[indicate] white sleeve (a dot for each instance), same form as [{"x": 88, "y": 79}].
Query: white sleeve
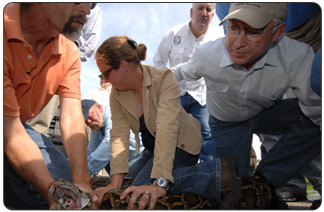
[{"x": 161, "y": 57}]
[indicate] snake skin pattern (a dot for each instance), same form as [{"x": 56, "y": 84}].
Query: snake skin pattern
[{"x": 255, "y": 195}]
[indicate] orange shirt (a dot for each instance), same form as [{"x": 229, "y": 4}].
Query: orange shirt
[{"x": 30, "y": 82}]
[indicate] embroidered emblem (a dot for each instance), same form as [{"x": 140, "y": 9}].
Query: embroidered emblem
[{"x": 177, "y": 40}]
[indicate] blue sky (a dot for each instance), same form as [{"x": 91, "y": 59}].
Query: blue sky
[{"x": 144, "y": 22}]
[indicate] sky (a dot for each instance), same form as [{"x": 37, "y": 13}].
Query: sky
[{"x": 143, "y": 22}]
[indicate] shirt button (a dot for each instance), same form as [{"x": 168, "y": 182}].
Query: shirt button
[
  {"x": 28, "y": 70},
  {"x": 25, "y": 45},
  {"x": 30, "y": 57},
  {"x": 183, "y": 146}
]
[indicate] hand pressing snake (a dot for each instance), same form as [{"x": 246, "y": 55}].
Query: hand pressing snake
[{"x": 148, "y": 194}]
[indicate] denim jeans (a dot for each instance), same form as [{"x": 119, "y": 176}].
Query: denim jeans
[
  {"x": 142, "y": 165},
  {"x": 200, "y": 112},
  {"x": 313, "y": 172},
  {"x": 18, "y": 193},
  {"x": 299, "y": 144},
  {"x": 298, "y": 184},
  {"x": 203, "y": 178}
]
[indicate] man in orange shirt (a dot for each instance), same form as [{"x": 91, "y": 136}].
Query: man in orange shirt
[{"x": 41, "y": 60}]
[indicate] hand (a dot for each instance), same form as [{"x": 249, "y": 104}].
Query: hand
[
  {"x": 148, "y": 193},
  {"x": 94, "y": 195},
  {"x": 102, "y": 190}
]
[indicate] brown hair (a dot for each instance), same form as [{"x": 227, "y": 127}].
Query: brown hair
[{"x": 120, "y": 48}]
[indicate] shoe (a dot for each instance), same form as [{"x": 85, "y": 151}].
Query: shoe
[
  {"x": 316, "y": 204},
  {"x": 231, "y": 187},
  {"x": 275, "y": 200},
  {"x": 290, "y": 196}
]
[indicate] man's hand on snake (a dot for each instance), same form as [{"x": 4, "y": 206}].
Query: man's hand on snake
[{"x": 146, "y": 194}]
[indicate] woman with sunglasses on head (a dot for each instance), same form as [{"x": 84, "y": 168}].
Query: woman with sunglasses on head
[{"x": 147, "y": 100}]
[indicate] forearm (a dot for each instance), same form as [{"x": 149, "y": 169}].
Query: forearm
[
  {"x": 117, "y": 180},
  {"x": 74, "y": 140},
  {"x": 25, "y": 157}
]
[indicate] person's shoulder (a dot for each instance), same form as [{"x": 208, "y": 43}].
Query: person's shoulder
[
  {"x": 155, "y": 72},
  {"x": 213, "y": 45},
  {"x": 67, "y": 44},
  {"x": 178, "y": 28},
  {"x": 290, "y": 45}
]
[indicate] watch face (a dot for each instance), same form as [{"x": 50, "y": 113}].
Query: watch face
[{"x": 161, "y": 182}]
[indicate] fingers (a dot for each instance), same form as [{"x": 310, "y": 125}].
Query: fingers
[
  {"x": 127, "y": 191},
  {"x": 144, "y": 200},
  {"x": 100, "y": 193},
  {"x": 95, "y": 201},
  {"x": 136, "y": 194},
  {"x": 143, "y": 195}
]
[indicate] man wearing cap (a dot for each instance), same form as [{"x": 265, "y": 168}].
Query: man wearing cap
[
  {"x": 98, "y": 118},
  {"x": 247, "y": 73},
  {"x": 40, "y": 60}
]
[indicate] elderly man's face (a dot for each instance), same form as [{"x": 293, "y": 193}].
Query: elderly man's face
[
  {"x": 243, "y": 51},
  {"x": 201, "y": 16},
  {"x": 95, "y": 114},
  {"x": 69, "y": 18}
]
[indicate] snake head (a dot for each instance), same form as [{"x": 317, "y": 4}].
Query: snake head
[{"x": 68, "y": 196}]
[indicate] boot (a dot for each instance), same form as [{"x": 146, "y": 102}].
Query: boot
[
  {"x": 231, "y": 188},
  {"x": 275, "y": 201}
]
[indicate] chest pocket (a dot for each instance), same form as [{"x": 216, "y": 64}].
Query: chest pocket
[
  {"x": 177, "y": 54},
  {"x": 272, "y": 94},
  {"x": 219, "y": 88}
]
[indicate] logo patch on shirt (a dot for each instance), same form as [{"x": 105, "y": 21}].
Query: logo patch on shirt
[{"x": 177, "y": 40}]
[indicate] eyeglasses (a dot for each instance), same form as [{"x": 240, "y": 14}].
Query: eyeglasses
[
  {"x": 92, "y": 5},
  {"x": 251, "y": 34},
  {"x": 106, "y": 74}
]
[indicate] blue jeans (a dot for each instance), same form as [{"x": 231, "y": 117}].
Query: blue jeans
[
  {"x": 18, "y": 193},
  {"x": 200, "y": 112},
  {"x": 313, "y": 172},
  {"x": 141, "y": 167},
  {"x": 299, "y": 144},
  {"x": 203, "y": 178},
  {"x": 298, "y": 184}
]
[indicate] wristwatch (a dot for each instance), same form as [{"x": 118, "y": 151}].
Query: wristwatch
[{"x": 162, "y": 182}]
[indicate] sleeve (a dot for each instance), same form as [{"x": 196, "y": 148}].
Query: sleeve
[
  {"x": 309, "y": 102},
  {"x": 98, "y": 153},
  {"x": 188, "y": 70},
  {"x": 10, "y": 105},
  {"x": 90, "y": 34},
  {"x": 119, "y": 137},
  {"x": 161, "y": 57},
  {"x": 70, "y": 85},
  {"x": 167, "y": 127}
]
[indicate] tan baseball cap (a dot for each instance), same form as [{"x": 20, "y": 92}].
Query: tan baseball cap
[{"x": 256, "y": 15}]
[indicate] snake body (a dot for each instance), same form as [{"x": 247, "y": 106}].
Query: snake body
[{"x": 255, "y": 195}]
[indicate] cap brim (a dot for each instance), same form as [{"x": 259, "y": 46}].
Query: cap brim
[{"x": 250, "y": 17}]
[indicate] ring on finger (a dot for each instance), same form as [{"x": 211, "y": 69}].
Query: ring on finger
[{"x": 147, "y": 192}]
